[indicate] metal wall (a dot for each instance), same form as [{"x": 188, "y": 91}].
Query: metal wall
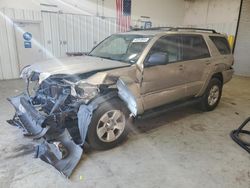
[
  {"x": 61, "y": 33},
  {"x": 242, "y": 48}
]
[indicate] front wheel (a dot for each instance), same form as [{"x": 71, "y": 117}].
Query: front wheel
[
  {"x": 212, "y": 96},
  {"x": 109, "y": 125}
]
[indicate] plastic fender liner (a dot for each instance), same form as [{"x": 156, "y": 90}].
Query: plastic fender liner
[
  {"x": 63, "y": 154},
  {"x": 235, "y": 135},
  {"x": 85, "y": 113},
  {"x": 27, "y": 116}
]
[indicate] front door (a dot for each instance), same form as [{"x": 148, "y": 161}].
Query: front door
[
  {"x": 28, "y": 39},
  {"x": 163, "y": 82}
]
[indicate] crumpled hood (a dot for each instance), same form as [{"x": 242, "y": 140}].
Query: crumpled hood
[{"x": 75, "y": 65}]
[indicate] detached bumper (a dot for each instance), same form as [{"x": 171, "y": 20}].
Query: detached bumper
[
  {"x": 57, "y": 148},
  {"x": 27, "y": 117}
]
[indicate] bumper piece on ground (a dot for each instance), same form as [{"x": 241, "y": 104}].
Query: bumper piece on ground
[
  {"x": 58, "y": 147},
  {"x": 27, "y": 117},
  {"x": 63, "y": 154}
]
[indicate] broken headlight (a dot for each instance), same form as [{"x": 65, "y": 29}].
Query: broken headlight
[
  {"x": 85, "y": 91},
  {"x": 26, "y": 72}
]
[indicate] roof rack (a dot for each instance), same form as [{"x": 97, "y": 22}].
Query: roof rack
[
  {"x": 192, "y": 28},
  {"x": 150, "y": 29},
  {"x": 174, "y": 29}
]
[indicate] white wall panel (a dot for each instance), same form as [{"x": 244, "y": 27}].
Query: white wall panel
[
  {"x": 61, "y": 33},
  {"x": 77, "y": 30},
  {"x": 70, "y": 33},
  {"x": 242, "y": 48},
  {"x": 5, "y": 59},
  {"x": 47, "y": 34},
  {"x": 55, "y": 37}
]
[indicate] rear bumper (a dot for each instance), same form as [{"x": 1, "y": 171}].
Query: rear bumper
[
  {"x": 227, "y": 75},
  {"x": 57, "y": 148}
]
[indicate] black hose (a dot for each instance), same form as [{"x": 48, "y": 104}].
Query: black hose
[{"x": 235, "y": 135}]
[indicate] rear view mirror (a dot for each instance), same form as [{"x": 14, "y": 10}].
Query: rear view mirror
[{"x": 158, "y": 58}]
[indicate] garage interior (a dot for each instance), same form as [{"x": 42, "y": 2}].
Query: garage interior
[{"x": 182, "y": 148}]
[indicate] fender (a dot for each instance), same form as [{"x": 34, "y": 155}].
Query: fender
[
  {"x": 217, "y": 68},
  {"x": 129, "y": 92}
]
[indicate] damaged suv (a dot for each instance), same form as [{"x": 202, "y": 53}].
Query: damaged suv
[{"x": 93, "y": 97}]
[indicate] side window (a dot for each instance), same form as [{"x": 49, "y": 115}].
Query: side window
[
  {"x": 194, "y": 47},
  {"x": 222, "y": 44},
  {"x": 168, "y": 46}
]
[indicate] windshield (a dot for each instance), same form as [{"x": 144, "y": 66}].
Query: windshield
[{"x": 125, "y": 48}]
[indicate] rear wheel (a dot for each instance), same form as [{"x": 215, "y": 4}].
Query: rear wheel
[
  {"x": 212, "y": 96},
  {"x": 109, "y": 126}
]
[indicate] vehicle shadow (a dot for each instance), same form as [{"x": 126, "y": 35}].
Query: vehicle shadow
[
  {"x": 148, "y": 124},
  {"x": 140, "y": 126}
]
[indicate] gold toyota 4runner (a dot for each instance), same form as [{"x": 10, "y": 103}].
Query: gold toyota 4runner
[{"x": 93, "y": 97}]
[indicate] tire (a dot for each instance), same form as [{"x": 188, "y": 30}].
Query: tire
[
  {"x": 212, "y": 95},
  {"x": 105, "y": 121}
]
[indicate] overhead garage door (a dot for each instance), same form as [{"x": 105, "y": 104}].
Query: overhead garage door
[{"x": 242, "y": 48}]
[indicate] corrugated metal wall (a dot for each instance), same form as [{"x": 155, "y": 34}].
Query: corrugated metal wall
[
  {"x": 242, "y": 48},
  {"x": 61, "y": 33}
]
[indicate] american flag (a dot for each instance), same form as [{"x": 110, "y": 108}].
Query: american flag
[{"x": 123, "y": 15}]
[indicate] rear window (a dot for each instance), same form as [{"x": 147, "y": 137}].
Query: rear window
[
  {"x": 194, "y": 47},
  {"x": 222, "y": 44}
]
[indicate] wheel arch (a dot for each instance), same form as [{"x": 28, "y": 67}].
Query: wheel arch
[{"x": 217, "y": 75}]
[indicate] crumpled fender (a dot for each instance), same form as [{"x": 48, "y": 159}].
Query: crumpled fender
[
  {"x": 129, "y": 92},
  {"x": 86, "y": 111}
]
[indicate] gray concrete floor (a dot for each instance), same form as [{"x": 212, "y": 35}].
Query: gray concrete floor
[{"x": 184, "y": 148}]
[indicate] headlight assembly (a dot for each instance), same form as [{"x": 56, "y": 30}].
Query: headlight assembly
[
  {"x": 26, "y": 72},
  {"x": 86, "y": 91}
]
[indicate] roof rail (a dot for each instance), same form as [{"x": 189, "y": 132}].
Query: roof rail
[
  {"x": 192, "y": 28},
  {"x": 174, "y": 29},
  {"x": 151, "y": 29}
]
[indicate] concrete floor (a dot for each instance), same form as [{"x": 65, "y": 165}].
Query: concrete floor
[{"x": 184, "y": 148}]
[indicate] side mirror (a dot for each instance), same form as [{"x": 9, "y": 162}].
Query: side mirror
[{"x": 158, "y": 58}]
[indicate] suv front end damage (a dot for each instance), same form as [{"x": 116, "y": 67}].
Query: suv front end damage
[{"x": 57, "y": 115}]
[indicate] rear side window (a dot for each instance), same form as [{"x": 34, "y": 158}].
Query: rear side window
[
  {"x": 194, "y": 47},
  {"x": 222, "y": 44}
]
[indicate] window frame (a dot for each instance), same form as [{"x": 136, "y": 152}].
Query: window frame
[
  {"x": 227, "y": 43},
  {"x": 163, "y": 37},
  {"x": 205, "y": 42},
  {"x": 180, "y": 47}
]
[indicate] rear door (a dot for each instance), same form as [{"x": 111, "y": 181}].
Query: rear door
[{"x": 196, "y": 59}]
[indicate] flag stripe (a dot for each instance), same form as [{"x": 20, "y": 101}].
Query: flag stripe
[{"x": 123, "y": 14}]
